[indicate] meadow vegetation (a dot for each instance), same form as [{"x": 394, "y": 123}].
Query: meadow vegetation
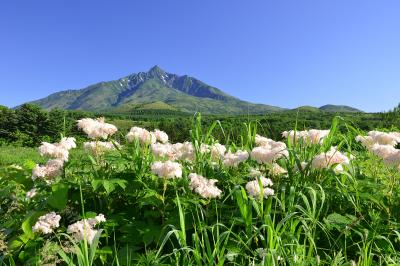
[{"x": 226, "y": 191}]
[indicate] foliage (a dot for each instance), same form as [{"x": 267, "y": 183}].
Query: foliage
[{"x": 317, "y": 217}]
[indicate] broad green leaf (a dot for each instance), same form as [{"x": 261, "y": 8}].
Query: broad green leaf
[{"x": 59, "y": 196}]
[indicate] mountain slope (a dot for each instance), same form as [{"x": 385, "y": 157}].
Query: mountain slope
[
  {"x": 339, "y": 108},
  {"x": 183, "y": 93}
]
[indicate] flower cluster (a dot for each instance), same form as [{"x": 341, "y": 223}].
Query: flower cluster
[
  {"x": 203, "y": 186},
  {"x": 312, "y": 136},
  {"x": 167, "y": 169},
  {"x": 84, "y": 229},
  {"x": 254, "y": 187},
  {"x": 142, "y": 135},
  {"x": 382, "y": 145},
  {"x": 47, "y": 223},
  {"x": 97, "y": 128},
  {"x": 381, "y": 138},
  {"x": 177, "y": 151},
  {"x": 389, "y": 154},
  {"x": 233, "y": 159},
  {"x": 217, "y": 151},
  {"x": 186, "y": 151},
  {"x": 58, "y": 150},
  {"x": 276, "y": 169},
  {"x": 268, "y": 150},
  {"x": 51, "y": 169},
  {"x": 330, "y": 158},
  {"x": 161, "y": 136},
  {"x": 98, "y": 147}
]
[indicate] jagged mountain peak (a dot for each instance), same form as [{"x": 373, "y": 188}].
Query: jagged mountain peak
[
  {"x": 156, "y": 70},
  {"x": 182, "y": 92}
]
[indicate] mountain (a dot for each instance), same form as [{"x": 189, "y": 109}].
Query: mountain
[
  {"x": 154, "y": 89},
  {"x": 328, "y": 108},
  {"x": 339, "y": 108},
  {"x": 307, "y": 108}
]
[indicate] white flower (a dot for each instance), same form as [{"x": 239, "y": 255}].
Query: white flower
[
  {"x": 96, "y": 128},
  {"x": 263, "y": 141},
  {"x": 276, "y": 169},
  {"x": 142, "y": 135},
  {"x": 312, "y": 136},
  {"x": 53, "y": 150},
  {"x": 184, "y": 151},
  {"x": 57, "y": 150},
  {"x": 381, "y": 138},
  {"x": 84, "y": 229},
  {"x": 31, "y": 193},
  {"x": 203, "y": 186},
  {"x": 47, "y": 223},
  {"x": 366, "y": 141},
  {"x": 161, "y": 150},
  {"x": 161, "y": 136},
  {"x": 332, "y": 157},
  {"x": 51, "y": 169},
  {"x": 253, "y": 188},
  {"x": 217, "y": 151},
  {"x": 167, "y": 169},
  {"x": 269, "y": 152},
  {"x": 233, "y": 159},
  {"x": 98, "y": 147},
  {"x": 68, "y": 143}
]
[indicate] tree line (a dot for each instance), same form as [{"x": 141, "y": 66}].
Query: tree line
[{"x": 29, "y": 124}]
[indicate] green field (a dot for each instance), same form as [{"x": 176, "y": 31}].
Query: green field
[{"x": 343, "y": 212}]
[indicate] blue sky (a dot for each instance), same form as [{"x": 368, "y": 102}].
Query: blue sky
[{"x": 284, "y": 53}]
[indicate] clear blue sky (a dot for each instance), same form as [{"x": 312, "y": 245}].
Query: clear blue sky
[{"x": 285, "y": 53}]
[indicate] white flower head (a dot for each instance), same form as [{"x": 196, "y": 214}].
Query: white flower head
[
  {"x": 167, "y": 169},
  {"x": 217, "y": 151},
  {"x": 312, "y": 136},
  {"x": 330, "y": 158},
  {"x": 161, "y": 136},
  {"x": 253, "y": 188},
  {"x": 51, "y": 169},
  {"x": 233, "y": 159},
  {"x": 99, "y": 147},
  {"x": 84, "y": 229},
  {"x": 276, "y": 169},
  {"x": 206, "y": 188},
  {"x": 269, "y": 153},
  {"x": 142, "y": 135},
  {"x": 96, "y": 128},
  {"x": 47, "y": 223}
]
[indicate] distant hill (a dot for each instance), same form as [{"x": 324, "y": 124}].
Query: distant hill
[
  {"x": 307, "y": 108},
  {"x": 339, "y": 108},
  {"x": 328, "y": 108},
  {"x": 154, "y": 89}
]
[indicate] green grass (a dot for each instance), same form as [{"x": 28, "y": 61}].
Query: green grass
[
  {"x": 316, "y": 217},
  {"x": 19, "y": 155}
]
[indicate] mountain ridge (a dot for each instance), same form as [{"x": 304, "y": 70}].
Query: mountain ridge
[
  {"x": 171, "y": 91},
  {"x": 185, "y": 93}
]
